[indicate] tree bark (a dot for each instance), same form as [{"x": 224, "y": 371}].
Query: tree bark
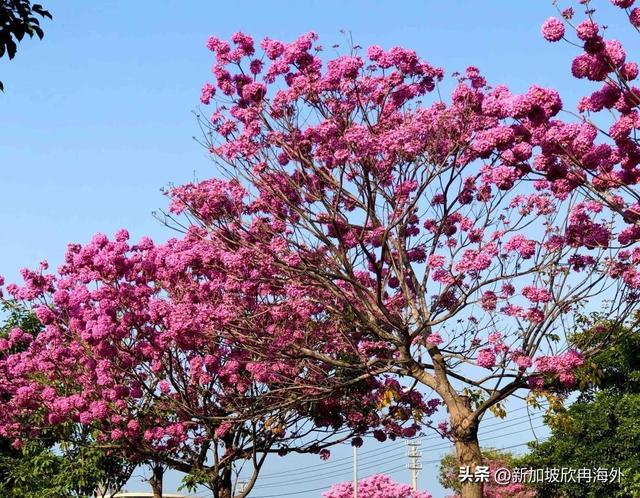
[
  {"x": 157, "y": 474},
  {"x": 465, "y": 432},
  {"x": 469, "y": 455},
  {"x": 222, "y": 487},
  {"x": 464, "y": 422}
]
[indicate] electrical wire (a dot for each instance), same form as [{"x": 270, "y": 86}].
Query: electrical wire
[
  {"x": 375, "y": 454},
  {"x": 293, "y": 493},
  {"x": 338, "y": 461},
  {"x": 393, "y": 469},
  {"x": 383, "y": 461}
]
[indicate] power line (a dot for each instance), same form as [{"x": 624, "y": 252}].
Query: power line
[
  {"x": 447, "y": 445},
  {"x": 324, "y": 487},
  {"x": 382, "y": 472},
  {"x": 382, "y": 461},
  {"x": 338, "y": 462},
  {"x": 376, "y": 464}
]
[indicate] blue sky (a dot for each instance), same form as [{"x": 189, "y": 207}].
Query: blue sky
[{"x": 97, "y": 117}]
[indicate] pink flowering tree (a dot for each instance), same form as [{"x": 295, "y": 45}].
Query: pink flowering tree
[
  {"x": 460, "y": 237},
  {"x": 366, "y": 230},
  {"x": 144, "y": 346},
  {"x": 376, "y": 486}
]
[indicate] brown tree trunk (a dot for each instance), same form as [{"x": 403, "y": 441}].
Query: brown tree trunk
[
  {"x": 157, "y": 474},
  {"x": 465, "y": 432},
  {"x": 227, "y": 484},
  {"x": 222, "y": 487},
  {"x": 464, "y": 422},
  {"x": 469, "y": 455}
]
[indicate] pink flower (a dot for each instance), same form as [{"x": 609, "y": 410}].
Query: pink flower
[
  {"x": 223, "y": 428},
  {"x": 524, "y": 247},
  {"x": 535, "y": 382},
  {"x": 587, "y": 29},
  {"x": 486, "y": 358},
  {"x": 488, "y": 301},
  {"x": 377, "y": 486},
  {"x": 615, "y": 52},
  {"x": 475, "y": 261},
  {"x": 434, "y": 339},
  {"x": 117, "y": 434},
  {"x": 272, "y": 48},
  {"x": 442, "y": 276},
  {"x": 553, "y": 29},
  {"x": 133, "y": 426},
  {"x": 536, "y": 294},
  {"x": 523, "y": 361},
  {"x": 443, "y": 427},
  {"x": 494, "y": 337},
  {"x": 512, "y": 310},
  {"x": 623, "y": 4},
  {"x": 561, "y": 365},
  {"x": 507, "y": 290},
  {"x": 164, "y": 386},
  {"x": 207, "y": 93},
  {"x": 436, "y": 261}
]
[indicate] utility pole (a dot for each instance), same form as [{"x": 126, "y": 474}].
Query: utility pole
[
  {"x": 355, "y": 472},
  {"x": 414, "y": 465}
]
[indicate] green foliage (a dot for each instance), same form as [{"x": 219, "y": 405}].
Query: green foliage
[
  {"x": 65, "y": 471},
  {"x": 18, "y": 18},
  {"x": 601, "y": 428},
  {"x": 18, "y": 317},
  {"x": 66, "y": 463}
]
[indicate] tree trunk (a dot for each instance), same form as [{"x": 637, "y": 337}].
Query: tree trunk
[
  {"x": 469, "y": 455},
  {"x": 464, "y": 422},
  {"x": 156, "y": 480},
  {"x": 222, "y": 487},
  {"x": 465, "y": 432}
]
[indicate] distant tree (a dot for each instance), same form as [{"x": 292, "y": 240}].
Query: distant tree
[
  {"x": 18, "y": 18},
  {"x": 377, "y": 486},
  {"x": 600, "y": 430}
]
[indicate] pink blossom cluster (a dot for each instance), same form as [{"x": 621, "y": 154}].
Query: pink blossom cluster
[
  {"x": 563, "y": 366},
  {"x": 376, "y": 486},
  {"x": 211, "y": 200}
]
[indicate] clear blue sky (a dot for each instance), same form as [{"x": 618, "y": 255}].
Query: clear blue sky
[{"x": 96, "y": 118}]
